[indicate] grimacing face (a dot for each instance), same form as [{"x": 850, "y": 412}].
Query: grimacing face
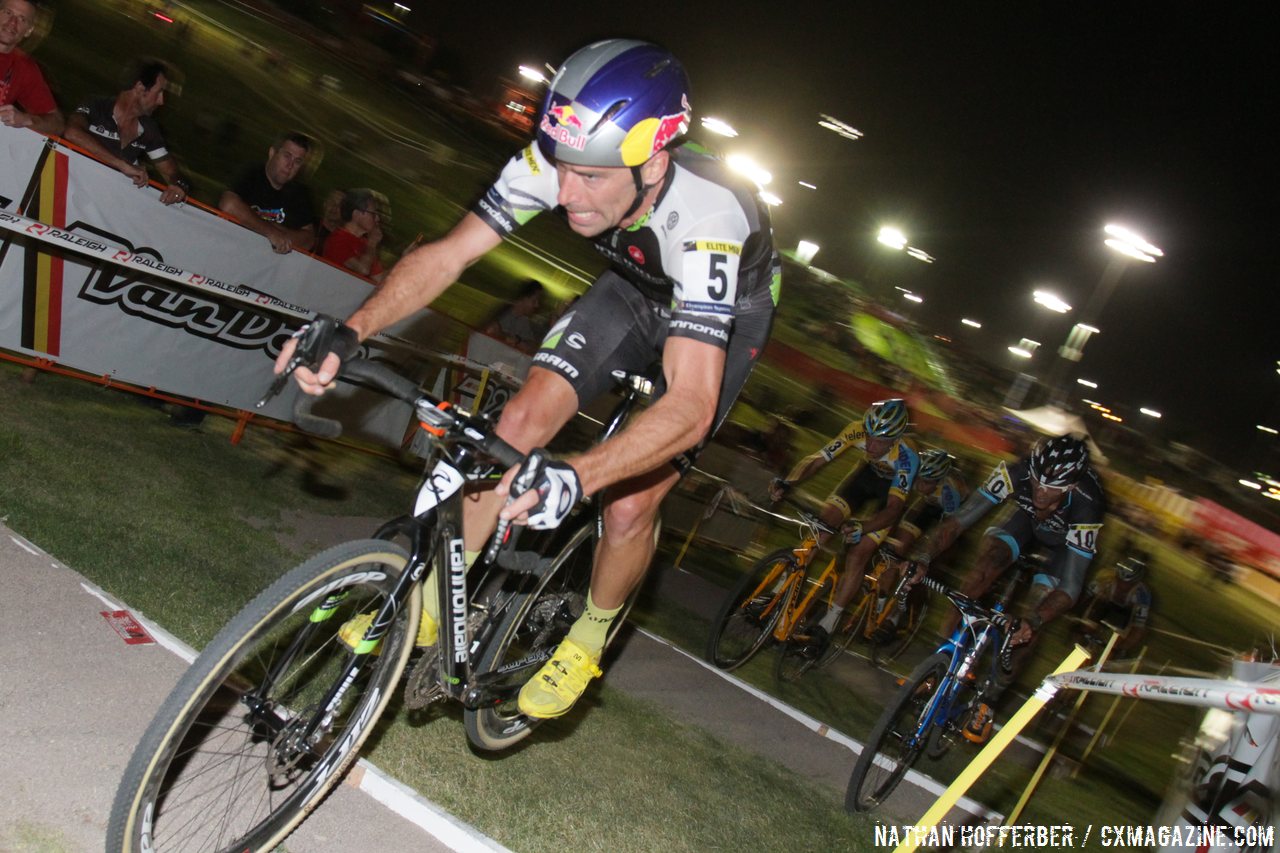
[{"x": 597, "y": 198}]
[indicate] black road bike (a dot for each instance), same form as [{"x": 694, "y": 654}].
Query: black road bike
[{"x": 274, "y": 711}]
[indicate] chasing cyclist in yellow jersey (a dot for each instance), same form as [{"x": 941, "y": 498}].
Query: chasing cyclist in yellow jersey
[{"x": 885, "y": 470}]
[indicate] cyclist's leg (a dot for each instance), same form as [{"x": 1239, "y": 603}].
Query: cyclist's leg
[{"x": 853, "y": 491}]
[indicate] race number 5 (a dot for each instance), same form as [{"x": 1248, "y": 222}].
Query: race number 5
[{"x": 718, "y": 274}]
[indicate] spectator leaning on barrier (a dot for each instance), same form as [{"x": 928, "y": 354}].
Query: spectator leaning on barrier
[
  {"x": 330, "y": 217},
  {"x": 25, "y": 99},
  {"x": 355, "y": 244},
  {"x": 120, "y": 130},
  {"x": 269, "y": 201}
]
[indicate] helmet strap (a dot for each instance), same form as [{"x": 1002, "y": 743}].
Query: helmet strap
[{"x": 641, "y": 189}]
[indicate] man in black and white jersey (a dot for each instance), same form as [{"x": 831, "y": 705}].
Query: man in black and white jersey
[{"x": 694, "y": 280}]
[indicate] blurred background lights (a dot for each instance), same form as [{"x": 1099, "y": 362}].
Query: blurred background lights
[{"x": 720, "y": 126}]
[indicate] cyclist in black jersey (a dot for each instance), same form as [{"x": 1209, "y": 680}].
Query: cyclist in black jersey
[
  {"x": 1060, "y": 506},
  {"x": 694, "y": 280}
]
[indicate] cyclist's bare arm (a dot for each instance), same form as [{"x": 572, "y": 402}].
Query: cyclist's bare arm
[
  {"x": 806, "y": 468},
  {"x": 413, "y": 283},
  {"x": 675, "y": 423}
]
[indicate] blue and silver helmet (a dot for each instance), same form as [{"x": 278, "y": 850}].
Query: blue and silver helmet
[
  {"x": 885, "y": 419},
  {"x": 935, "y": 464},
  {"x": 614, "y": 103}
]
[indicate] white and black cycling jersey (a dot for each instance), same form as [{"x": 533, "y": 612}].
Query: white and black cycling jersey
[{"x": 705, "y": 248}]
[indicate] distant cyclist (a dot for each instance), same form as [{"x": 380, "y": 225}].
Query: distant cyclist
[
  {"x": 1121, "y": 599},
  {"x": 939, "y": 492},
  {"x": 886, "y": 468},
  {"x": 1059, "y": 506}
]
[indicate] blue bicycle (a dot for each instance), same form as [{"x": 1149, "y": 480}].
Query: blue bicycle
[{"x": 936, "y": 702}]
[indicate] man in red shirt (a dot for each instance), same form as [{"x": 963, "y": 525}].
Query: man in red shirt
[{"x": 25, "y": 99}]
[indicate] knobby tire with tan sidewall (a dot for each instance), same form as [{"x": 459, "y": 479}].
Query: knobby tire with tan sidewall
[
  {"x": 274, "y": 774},
  {"x": 749, "y": 613}
]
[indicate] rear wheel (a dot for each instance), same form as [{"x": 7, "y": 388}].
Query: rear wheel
[
  {"x": 270, "y": 715},
  {"x": 750, "y": 612},
  {"x": 898, "y": 738}
]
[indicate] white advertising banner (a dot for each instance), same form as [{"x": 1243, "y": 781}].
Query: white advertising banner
[{"x": 137, "y": 294}]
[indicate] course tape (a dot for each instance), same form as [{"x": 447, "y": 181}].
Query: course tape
[{"x": 1257, "y": 698}]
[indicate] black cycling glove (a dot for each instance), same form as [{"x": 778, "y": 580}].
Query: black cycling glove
[
  {"x": 322, "y": 336},
  {"x": 557, "y": 486}
]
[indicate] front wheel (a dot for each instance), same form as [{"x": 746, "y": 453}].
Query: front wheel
[
  {"x": 897, "y": 739},
  {"x": 270, "y": 715},
  {"x": 749, "y": 612}
]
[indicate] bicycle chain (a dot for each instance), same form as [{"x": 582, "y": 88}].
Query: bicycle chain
[{"x": 422, "y": 686}]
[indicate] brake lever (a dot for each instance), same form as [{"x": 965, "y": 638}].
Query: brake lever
[{"x": 277, "y": 384}]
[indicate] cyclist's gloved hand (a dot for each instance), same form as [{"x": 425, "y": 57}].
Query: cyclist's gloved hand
[
  {"x": 1025, "y": 629},
  {"x": 322, "y": 336},
  {"x": 852, "y": 530},
  {"x": 307, "y": 350},
  {"x": 778, "y": 487},
  {"x": 556, "y": 484}
]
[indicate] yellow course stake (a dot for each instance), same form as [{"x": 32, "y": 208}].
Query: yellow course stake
[
  {"x": 989, "y": 753},
  {"x": 1057, "y": 741}
]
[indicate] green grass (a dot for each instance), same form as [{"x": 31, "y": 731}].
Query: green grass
[{"x": 185, "y": 528}]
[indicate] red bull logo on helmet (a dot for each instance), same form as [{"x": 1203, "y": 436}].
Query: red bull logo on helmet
[
  {"x": 651, "y": 135},
  {"x": 563, "y": 125}
]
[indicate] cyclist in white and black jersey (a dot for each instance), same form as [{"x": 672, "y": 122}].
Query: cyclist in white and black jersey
[{"x": 694, "y": 283}]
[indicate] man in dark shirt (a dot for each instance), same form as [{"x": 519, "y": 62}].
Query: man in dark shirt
[
  {"x": 268, "y": 200},
  {"x": 120, "y": 130}
]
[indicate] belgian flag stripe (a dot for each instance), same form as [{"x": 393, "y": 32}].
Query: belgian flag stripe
[{"x": 42, "y": 296}]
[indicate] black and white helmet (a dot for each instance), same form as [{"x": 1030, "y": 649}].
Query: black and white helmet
[{"x": 1059, "y": 461}]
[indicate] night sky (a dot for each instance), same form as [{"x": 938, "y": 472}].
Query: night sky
[{"x": 1001, "y": 138}]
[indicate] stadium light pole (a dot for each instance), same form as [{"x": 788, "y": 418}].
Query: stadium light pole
[{"x": 1128, "y": 247}]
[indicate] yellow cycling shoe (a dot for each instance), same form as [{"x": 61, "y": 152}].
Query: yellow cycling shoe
[
  {"x": 560, "y": 682},
  {"x": 353, "y": 630}
]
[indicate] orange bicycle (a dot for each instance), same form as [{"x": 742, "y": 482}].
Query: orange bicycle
[
  {"x": 775, "y": 598},
  {"x": 870, "y": 616}
]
